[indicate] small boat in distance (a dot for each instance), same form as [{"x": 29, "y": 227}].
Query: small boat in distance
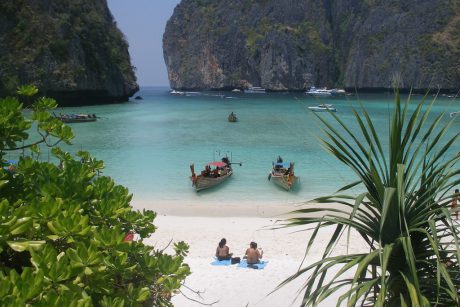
[
  {"x": 213, "y": 174},
  {"x": 338, "y": 91},
  {"x": 76, "y": 118},
  {"x": 232, "y": 118},
  {"x": 174, "y": 92},
  {"x": 323, "y": 108},
  {"x": 282, "y": 174},
  {"x": 313, "y": 91},
  {"x": 255, "y": 90}
]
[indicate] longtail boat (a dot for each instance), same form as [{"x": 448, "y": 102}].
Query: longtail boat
[
  {"x": 213, "y": 174},
  {"x": 282, "y": 174},
  {"x": 76, "y": 118},
  {"x": 232, "y": 118}
]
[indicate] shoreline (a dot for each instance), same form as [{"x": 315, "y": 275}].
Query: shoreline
[
  {"x": 218, "y": 208},
  {"x": 349, "y": 90}
]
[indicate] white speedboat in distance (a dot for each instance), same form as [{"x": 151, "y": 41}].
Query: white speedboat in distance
[
  {"x": 174, "y": 92},
  {"x": 337, "y": 91},
  {"x": 323, "y": 108},
  {"x": 318, "y": 92}
]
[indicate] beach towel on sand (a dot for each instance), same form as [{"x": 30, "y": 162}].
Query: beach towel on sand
[
  {"x": 257, "y": 266},
  {"x": 221, "y": 263}
]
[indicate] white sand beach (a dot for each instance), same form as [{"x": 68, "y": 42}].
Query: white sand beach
[{"x": 202, "y": 227}]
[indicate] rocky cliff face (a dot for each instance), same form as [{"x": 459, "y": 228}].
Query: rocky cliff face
[
  {"x": 71, "y": 49},
  {"x": 291, "y": 45}
]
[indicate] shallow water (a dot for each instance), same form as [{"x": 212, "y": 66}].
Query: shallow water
[{"x": 148, "y": 144}]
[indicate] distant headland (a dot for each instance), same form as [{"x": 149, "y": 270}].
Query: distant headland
[
  {"x": 71, "y": 51},
  {"x": 284, "y": 45}
]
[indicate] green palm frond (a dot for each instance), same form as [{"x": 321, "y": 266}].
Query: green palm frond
[{"x": 402, "y": 216}]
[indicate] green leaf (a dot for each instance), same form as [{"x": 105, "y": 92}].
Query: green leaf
[
  {"x": 21, "y": 246},
  {"x": 27, "y": 90},
  {"x": 22, "y": 225},
  {"x": 88, "y": 271},
  {"x": 3, "y": 183},
  {"x": 143, "y": 295}
]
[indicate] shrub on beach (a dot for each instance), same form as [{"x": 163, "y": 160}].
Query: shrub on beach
[
  {"x": 63, "y": 228},
  {"x": 402, "y": 215}
]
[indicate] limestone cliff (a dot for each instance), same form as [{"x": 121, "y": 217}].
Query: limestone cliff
[
  {"x": 71, "y": 49},
  {"x": 291, "y": 45}
]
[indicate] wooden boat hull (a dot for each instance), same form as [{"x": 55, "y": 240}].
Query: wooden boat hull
[
  {"x": 319, "y": 94},
  {"x": 202, "y": 183},
  {"x": 77, "y": 120},
  {"x": 284, "y": 181},
  {"x": 317, "y": 109},
  {"x": 232, "y": 118}
]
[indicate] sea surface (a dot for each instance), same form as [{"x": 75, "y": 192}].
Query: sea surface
[{"x": 148, "y": 145}]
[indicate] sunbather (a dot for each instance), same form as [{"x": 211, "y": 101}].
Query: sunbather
[
  {"x": 252, "y": 254},
  {"x": 223, "y": 251}
]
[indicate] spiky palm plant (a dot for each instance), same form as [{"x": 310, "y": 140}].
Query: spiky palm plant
[{"x": 403, "y": 215}]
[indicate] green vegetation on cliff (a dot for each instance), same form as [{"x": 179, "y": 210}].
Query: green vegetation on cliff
[
  {"x": 64, "y": 47},
  {"x": 291, "y": 45}
]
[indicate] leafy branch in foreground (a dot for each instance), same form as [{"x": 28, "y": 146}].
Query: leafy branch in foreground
[
  {"x": 403, "y": 215},
  {"x": 14, "y": 127},
  {"x": 63, "y": 228}
]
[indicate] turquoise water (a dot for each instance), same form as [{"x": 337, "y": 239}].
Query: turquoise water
[{"x": 148, "y": 144}]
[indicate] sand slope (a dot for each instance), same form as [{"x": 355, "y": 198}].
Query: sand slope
[{"x": 233, "y": 286}]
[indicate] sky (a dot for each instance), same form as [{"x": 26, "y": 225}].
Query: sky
[{"x": 143, "y": 23}]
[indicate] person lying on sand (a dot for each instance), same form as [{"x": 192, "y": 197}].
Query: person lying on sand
[
  {"x": 223, "y": 251},
  {"x": 253, "y": 255}
]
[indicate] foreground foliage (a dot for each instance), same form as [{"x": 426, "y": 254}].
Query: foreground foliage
[
  {"x": 403, "y": 215},
  {"x": 63, "y": 227}
]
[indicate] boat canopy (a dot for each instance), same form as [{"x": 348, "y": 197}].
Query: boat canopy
[
  {"x": 282, "y": 164},
  {"x": 218, "y": 164}
]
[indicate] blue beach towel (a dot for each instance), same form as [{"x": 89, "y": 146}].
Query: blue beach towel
[
  {"x": 221, "y": 263},
  {"x": 257, "y": 266}
]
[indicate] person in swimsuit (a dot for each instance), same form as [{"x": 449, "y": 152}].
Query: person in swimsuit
[
  {"x": 252, "y": 254},
  {"x": 222, "y": 251}
]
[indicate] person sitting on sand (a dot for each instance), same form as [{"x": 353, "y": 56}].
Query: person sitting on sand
[
  {"x": 253, "y": 255},
  {"x": 222, "y": 251}
]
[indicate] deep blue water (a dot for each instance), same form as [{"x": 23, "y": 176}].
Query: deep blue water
[{"x": 148, "y": 144}]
